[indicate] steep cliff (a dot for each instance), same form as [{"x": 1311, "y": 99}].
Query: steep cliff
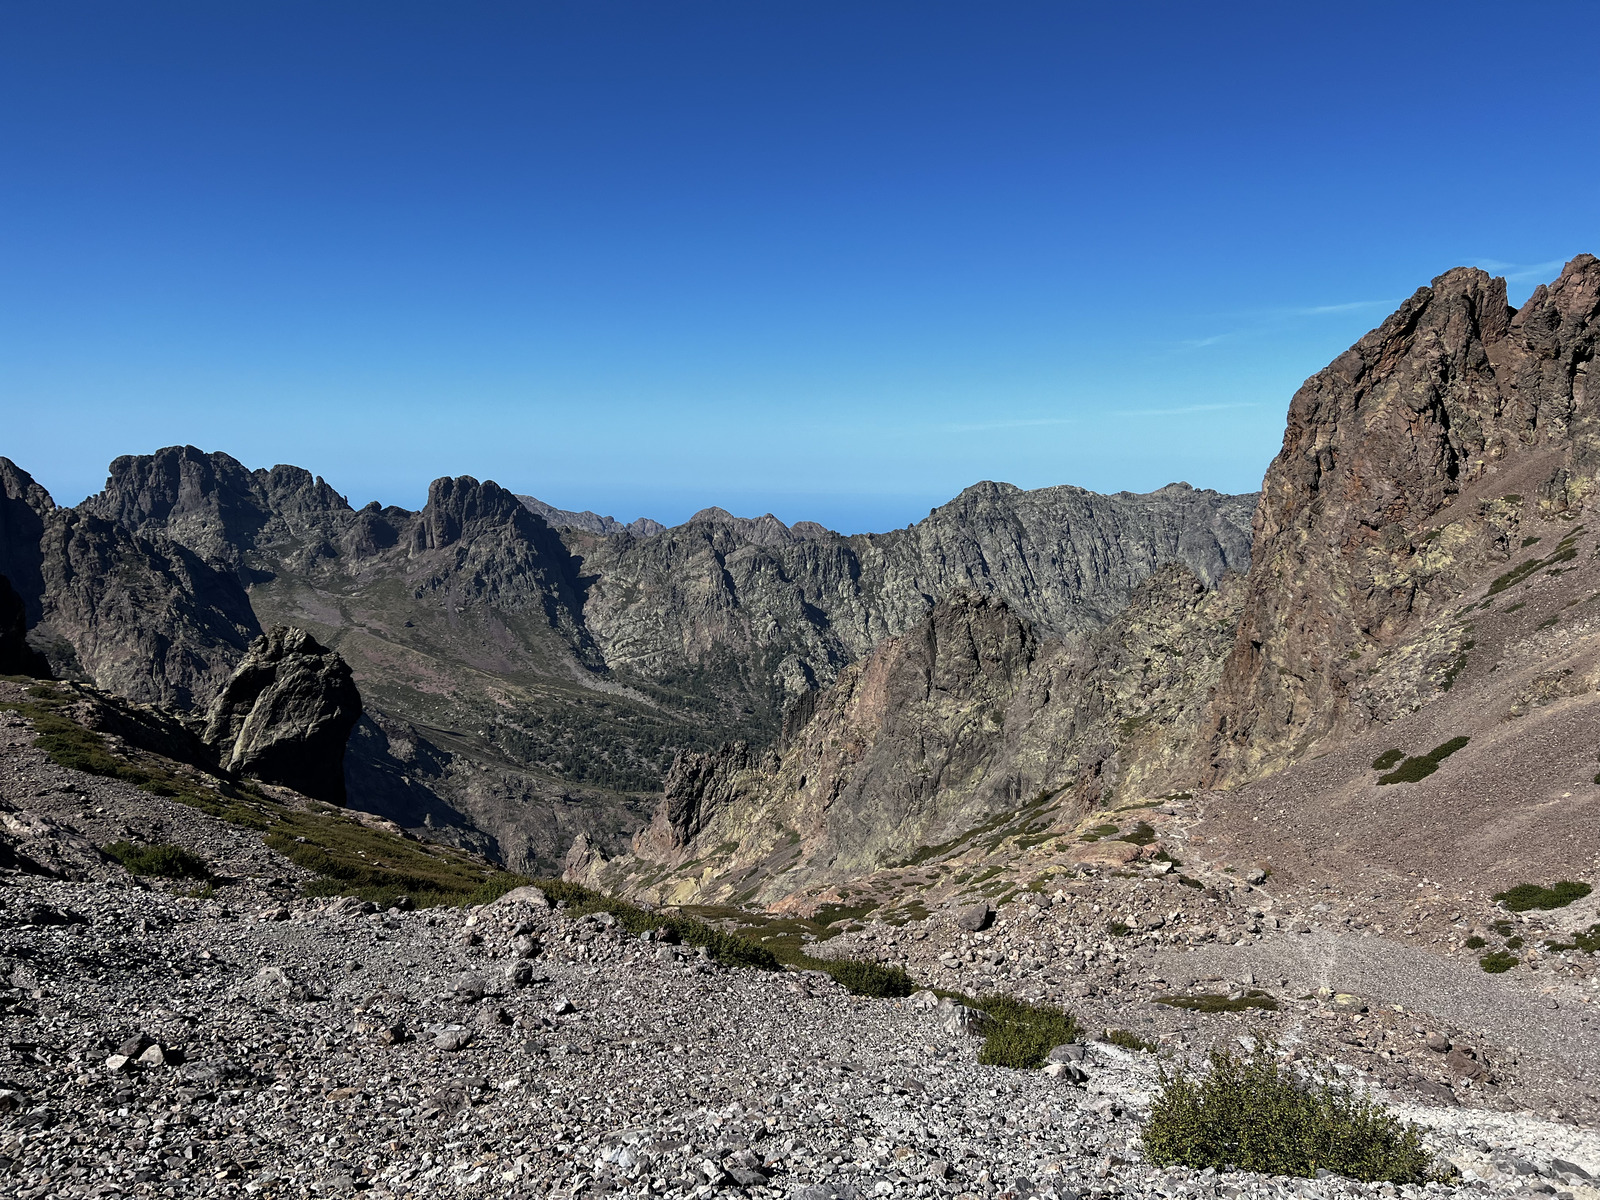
[
  {"x": 1408, "y": 465},
  {"x": 969, "y": 716}
]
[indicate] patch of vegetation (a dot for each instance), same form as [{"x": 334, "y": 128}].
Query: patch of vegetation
[
  {"x": 1456, "y": 667},
  {"x": 70, "y": 745},
  {"x": 1527, "y": 896},
  {"x": 1251, "y": 1114},
  {"x": 161, "y": 859},
  {"x": 1514, "y": 943},
  {"x": 728, "y": 949},
  {"x": 1565, "y": 551},
  {"x": 1098, "y": 832},
  {"x": 840, "y": 914},
  {"x": 1118, "y": 929},
  {"x": 1547, "y": 623},
  {"x": 867, "y": 978},
  {"x": 1387, "y": 759},
  {"x": 1497, "y": 962},
  {"x": 1021, "y": 1035},
  {"x": 1503, "y": 928},
  {"x": 1129, "y": 1041},
  {"x": 1589, "y": 940},
  {"x": 1141, "y": 834},
  {"x": 1530, "y": 540},
  {"x": 1415, "y": 769},
  {"x": 1188, "y": 882},
  {"x": 1474, "y": 943},
  {"x": 1520, "y": 604},
  {"x": 1214, "y": 1003}
]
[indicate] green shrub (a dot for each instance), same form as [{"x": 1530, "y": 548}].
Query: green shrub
[
  {"x": 868, "y": 978},
  {"x": 1514, "y": 943},
  {"x": 1021, "y": 1035},
  {"x": 1387, "y": 759},
  {"x": 162, "y": 859},
  {"x": 1475, "y": 943},
  {"x": 1098, "y": 832},
  {"x": 1118, "y": 929},
  {"x": 1141, "y": 835},
  {"x": 1589, "y": 940},
  {"x": 1212, "y": 1003},
  {"x": 1129, "y": 1041},
  {"x": 1498, "y": 962},
  {"x": 1252, "y": 1115},
  {"x": 1416, "y": 769},
  {"x": 1526, "y": 896}
]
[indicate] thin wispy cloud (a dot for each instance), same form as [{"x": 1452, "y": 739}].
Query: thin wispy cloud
[
  {"x": 1179, "y": 412},
  {"x": 1521, "y": 272},
  {"x": 1263, "y": 320},
  {"x": 1037, "y": 422},
  {"x": 1027, "y": 424}
]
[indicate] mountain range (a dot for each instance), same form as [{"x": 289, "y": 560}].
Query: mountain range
[{"x": 530, "y": 674}]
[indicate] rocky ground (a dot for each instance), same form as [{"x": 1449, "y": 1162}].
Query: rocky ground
[{"x": 242, "y": 1041}]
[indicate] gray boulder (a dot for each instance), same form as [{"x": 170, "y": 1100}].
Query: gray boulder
[
  {"x": 286, "y": 715},
  {"x": 975, "y": 917}
]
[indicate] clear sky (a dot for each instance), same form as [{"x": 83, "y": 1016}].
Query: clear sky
[{"x": 835, "y": 260}]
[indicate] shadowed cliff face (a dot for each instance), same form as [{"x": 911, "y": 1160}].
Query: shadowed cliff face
[{"x": 1405, "y": 468}]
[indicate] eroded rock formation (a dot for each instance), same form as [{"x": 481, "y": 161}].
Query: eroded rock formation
[
  {"x": 286, "y": 715},
  {"x": 1361, "y": 534}
]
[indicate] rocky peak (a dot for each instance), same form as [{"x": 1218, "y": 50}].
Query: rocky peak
[
  {"x": 286, "y": 715},
  {"x": 460, "y": 508},
  {"x": 1361, "y": 532},
  {"x": 210, "y": 502}
]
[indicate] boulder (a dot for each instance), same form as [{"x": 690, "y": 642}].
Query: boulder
[
  {"x": 975, "y": 917},
  {"x": 286, "y": 715}
]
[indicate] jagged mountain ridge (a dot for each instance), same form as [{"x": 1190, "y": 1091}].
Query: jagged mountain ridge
[
  {"x": 1415, "y": 470},
  {"x": 524, "y": 684}
]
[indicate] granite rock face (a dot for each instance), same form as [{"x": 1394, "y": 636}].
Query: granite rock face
[
  {"x": 971, "y": 714},
  {"x": 1406, "y": 468},
  {"x": 286, "y": 715},
  {"x": 746, "y": 602}
]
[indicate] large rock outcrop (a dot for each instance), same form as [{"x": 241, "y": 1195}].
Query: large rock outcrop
[
  {"x": 1406, "y": 467},
  {"x": 969, "y": 715},
  {"x": 286, "y": 715}
]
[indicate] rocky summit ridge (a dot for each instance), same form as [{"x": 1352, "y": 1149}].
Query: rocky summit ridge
[{"x": 524, "y": 683}]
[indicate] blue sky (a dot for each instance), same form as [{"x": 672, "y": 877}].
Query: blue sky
[{"x": 832, "y": 260}]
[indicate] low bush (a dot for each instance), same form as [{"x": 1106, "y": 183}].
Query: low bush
[
  {"x": 1141, "y": 835},
  {"x": 1129, "y": 1041},
  {"x": 1251, "y": 1114},
  {"x": 1413, "y": 770},
  {"x": 1498, "y": 962},
  {"x": 1527, "y": 896},
  {"x": 1387, "y": 759},
  {"x": 867, "y": 978},
  {"x": 1475, "y": 943},
  {"x": 1021, "y": 1035},
  {"x": 161, "y": 859},
  {"x": 1589, "y": 940}
]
